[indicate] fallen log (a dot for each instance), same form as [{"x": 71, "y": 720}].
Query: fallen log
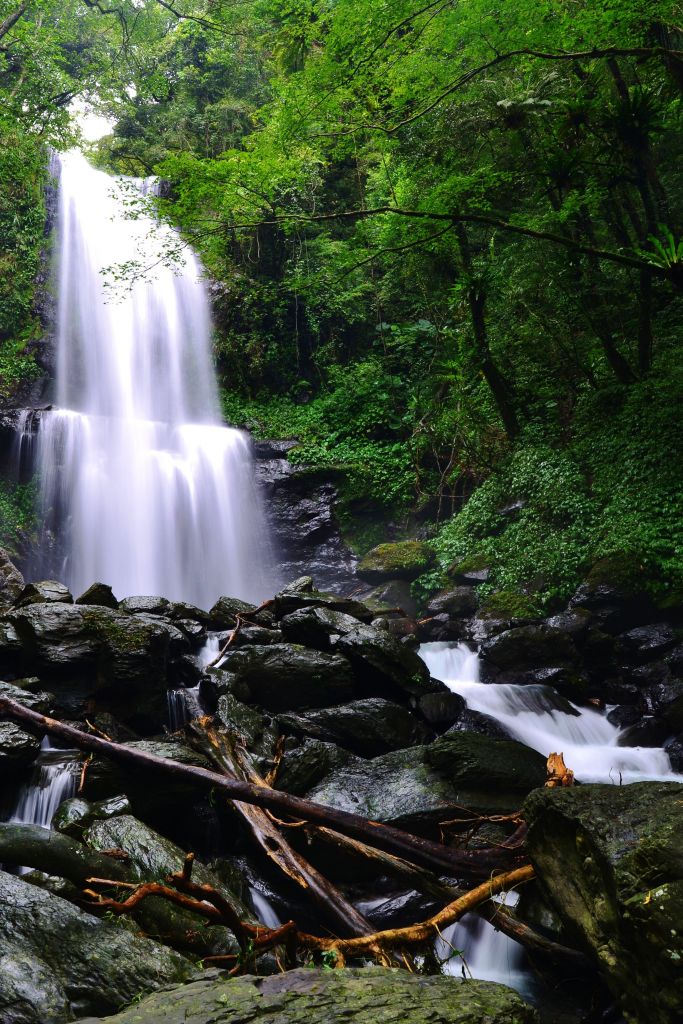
[
  {"x": 235, "y": 764},
  {"x": 461, "y": 863},
  {"x": 55, "y": 854}
]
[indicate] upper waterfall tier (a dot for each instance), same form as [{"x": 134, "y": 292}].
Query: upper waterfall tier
[{"x": 141, "y": 485}]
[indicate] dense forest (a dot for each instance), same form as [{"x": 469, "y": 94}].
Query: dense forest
[{"x": 444, "y": 241}]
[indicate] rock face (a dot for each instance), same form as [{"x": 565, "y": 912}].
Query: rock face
[
  {"x": 57, "y": 962},
  {"x": 611, "y": 862},
  {"x": 402, "y": 560},
  {"x": 331, "y": 997},
  {"x": 11, "y": 580}
]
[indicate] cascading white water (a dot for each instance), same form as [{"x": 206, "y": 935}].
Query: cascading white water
[
  {"x": 142, "y": 487},
  {"x": 53, "y": 781},
  {"x": 531, "y": 715},
  {"x": 473, "y": 946}
]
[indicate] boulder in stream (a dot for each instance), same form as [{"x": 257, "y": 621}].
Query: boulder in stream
[
  {"x": 365, "y": 727},
  {"x": 282, "y": 677}
]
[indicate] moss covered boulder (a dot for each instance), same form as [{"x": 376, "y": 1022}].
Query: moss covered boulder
[
  {"x": 370, "y": 996},
  {"x": 402, "y": 560},
  {"x": 610, "y": 859}
]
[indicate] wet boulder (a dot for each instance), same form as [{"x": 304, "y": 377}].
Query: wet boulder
[
  {"x": 151, "y": 857},
  {"x": 392, "y": 594},
  {"x": 58, "y": 963},
  {"x": 96, "y": 653},
  {"x": 172, "y": 803},
  {"x": 224, "y": 613},
  {"x": 441, "y": 709},
  {"x": 457, "y": 603},
  {"x": 666, "y": 700},
  {"x": 529, "y": 647},
  {"x": 383, "y": 666},
  {"x": 402, "y": 560},
  {"x": 145, "y": 604},
  {"x": 323, "y": 997},
  {"x": 477, "y": 721},
  {"x": 75, "y": 815},
  {"x": 307, "y": 763},
  {"x": 302, "y": 594},
  {"x": 614, "y": 591},
  {"x": 17, "y": 747},
  {"x": 609, "y": 861},
  {"x": 283, "y": 677},
  {"x": 365, "y": 727},
  {"x": 646, "y": 643},
  {"x": 44, "y": 592},
  {"x": 99, "y": 594},
  {"x": 11, "y": 580},
  {"x": 421, "y": 786}
]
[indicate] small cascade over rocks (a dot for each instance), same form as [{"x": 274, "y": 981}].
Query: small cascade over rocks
[
  {"x": 53, "y": 781},
  {"x": 536, "y": 716},
  {"x": 141, "y": 485}
]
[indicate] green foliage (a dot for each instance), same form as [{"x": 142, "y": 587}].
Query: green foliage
[
  {"x": 22, "y": 219},
  {"x": 17, "y": 515},
  {"x": 614, "y": 490}
]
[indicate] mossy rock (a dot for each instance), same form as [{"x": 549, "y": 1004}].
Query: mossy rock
[
  {"x": 352, "y": 996},
  {"x": 403, "y": 560},
  {"x": 508, "y": 604},
  {"x": 609, "y": 860}
]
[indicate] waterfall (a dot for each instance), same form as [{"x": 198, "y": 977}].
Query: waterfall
[
  {"x": 53, "y": 781},
  {"x": 536, "y": 717},
  {"x": 141, "y": 485}
]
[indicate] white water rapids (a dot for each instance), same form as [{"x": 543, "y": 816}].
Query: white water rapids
[
  {"x": 142, "y": 487},
  {"x": 532, "y": 715}
]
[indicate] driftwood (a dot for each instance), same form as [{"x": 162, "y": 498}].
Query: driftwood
[
  {"x": 234, "y": 762},
  {"x": 557, "y": 773},
  {"x": 53, "y": 853},
  {"x": 478, "y": 863}
]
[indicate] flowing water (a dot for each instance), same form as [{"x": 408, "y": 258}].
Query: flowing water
[
  {"x": 537, "y": 717},
  {"x": 534, "y": 715},
  {"x": 54, "y": 780},
  {"x": 142, "y": 487}
]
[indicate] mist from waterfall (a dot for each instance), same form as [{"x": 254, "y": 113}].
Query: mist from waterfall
[{"x": 141, "y": 486}]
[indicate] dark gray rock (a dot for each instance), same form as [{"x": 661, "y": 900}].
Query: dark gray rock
[
  {"x": 316, "y": 627},
  {"x": 649, "y": 732},
  {"x": 17, "y": 747},
  {"x": 302, "y": 594},
  {"x": 624, "y": 715},
  {"x": 141, "y": 604},
  {"x": 392, "y": 594},
  {"x": 530, "y": 647},
  {"x": 94, "y": 652},
  {"x": 609, "y": 861},
  {"x": 645, "y": 643},
  {"x": 352, "y": 996},
  {"x": 224, "y": 612},
  {"x": 424, "y": 785},
  {"x": 382, "y": 665},
  {"x": 74, "y": 816},
  {"x": 307, "y": 764},
  {"x": 365, "y": 727},
  {"x": 458, "y": 603},
  {"x": 283, "y": 677},
  {"x": 99, "y": 594},
  {"x": 11, "y": 580},
  {"x": 47, "y": 591},
  {"x": 476, "y": 721},
  {"x": 58, "y": 963},
  {"x": 441, "y": 709},
  {"x": 257, "y": 732},
  {"x": 674, "y": 748},
  {"x": 666, "y": 700}
]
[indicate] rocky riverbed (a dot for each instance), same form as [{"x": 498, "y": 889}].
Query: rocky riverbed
[{"x": 328, "y": 699}]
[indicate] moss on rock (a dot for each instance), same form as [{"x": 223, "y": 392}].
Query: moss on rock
[{"x": 403, "y": 560}]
